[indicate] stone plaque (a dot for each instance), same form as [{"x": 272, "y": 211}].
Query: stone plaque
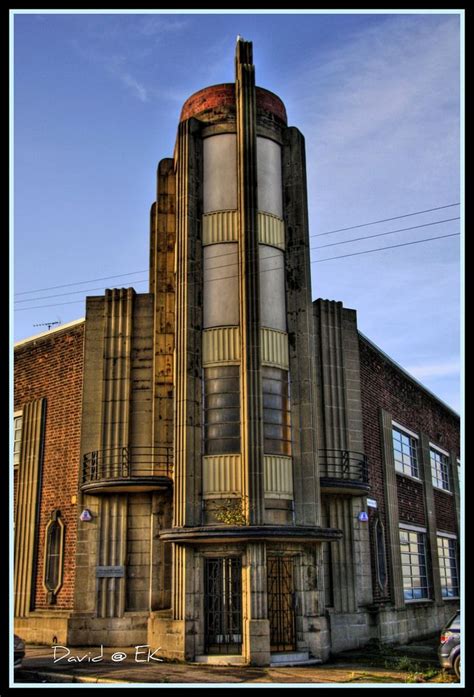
[{"x": 110, "y": 571}]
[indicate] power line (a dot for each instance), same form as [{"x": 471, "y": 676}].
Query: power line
[
  {"x": 71, "y": 292},
  {"x": 131, "y": 273},
  {"x": 382, "y": 234},
  {"x": 276, "y": 268},
  {"x": 79, "y": 283},
  {"x": 393, "y": 246},
  {"x": 385, "y": 220}
]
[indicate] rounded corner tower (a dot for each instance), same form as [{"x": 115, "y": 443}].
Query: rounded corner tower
[{"x": 230, "y": 232}]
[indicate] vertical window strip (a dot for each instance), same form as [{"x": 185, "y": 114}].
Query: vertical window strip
[{"x": 18, "y": 422}]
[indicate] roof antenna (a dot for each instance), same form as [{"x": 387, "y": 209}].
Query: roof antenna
[{"x": 46, "y": 324}]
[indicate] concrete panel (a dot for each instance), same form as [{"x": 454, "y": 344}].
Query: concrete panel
[
  {"x": 220, "y": 227},
  {"x": 278, "y": 477},
  {"x": 271, "y": 230},
  {"x": 269, "y": 177},
  {"x": 221, "y": 345},
  {"x": 219, "y": 173},
  {"x": 274, "y": 348},
  {"x": 221, "y": 285},
  {"x": 272, "y": 288},
  {"x": 221, "y": 475}
]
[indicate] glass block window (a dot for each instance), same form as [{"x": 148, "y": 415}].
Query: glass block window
[
  {"x": 440, "y": 469},
  {"x": 405, "y": 452},
  {"x": 276, "y": 411},
  {"x": 18, "y": 422},
  {"x": 381, "y": 561},
  {"x": 222, "y": 410},
  {"x": 448, "y": 569},
  {"x": 414, "y": 568}
]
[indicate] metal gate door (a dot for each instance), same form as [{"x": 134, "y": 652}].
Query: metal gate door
[
  {"x": 223, "y": 605},
  {"x": 281, "y": 596}
]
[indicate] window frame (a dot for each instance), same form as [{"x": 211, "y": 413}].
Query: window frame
[
  {"x": 437, "y": 472},
  {"x": 442, "y": 559},
  {"x": 414, "y": 454},
  {"x": 421, "y": 564}
]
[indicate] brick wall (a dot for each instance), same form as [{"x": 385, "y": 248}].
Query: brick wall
[
  {"x": 411, "y": 508},
  {"x": 383, "y": 386},
  {"x": 52, "y": 367},
  {"x": 445, "y": 511}
]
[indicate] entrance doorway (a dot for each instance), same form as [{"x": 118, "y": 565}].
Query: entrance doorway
[
  {"x": 281, "y": 601},
  {"x": 223, "y": 605}
]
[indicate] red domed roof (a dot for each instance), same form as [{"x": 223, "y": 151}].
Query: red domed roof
[{"x": 224, "y": 95}]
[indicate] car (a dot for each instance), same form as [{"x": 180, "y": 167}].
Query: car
[
  {"x": 449, "y": 650},
  {"x": 19, "y": 651}
]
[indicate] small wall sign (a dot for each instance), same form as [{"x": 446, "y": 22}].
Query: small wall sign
[
  {"x": 363, "y": 517},
  {"x": 372, "y": 503},
  {"x": 110, "y": 571},
  {"x": 85, "y": 516}
]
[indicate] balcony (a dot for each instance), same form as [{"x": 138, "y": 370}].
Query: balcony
[
  {"x": 127, "y": 469},
  {"x": 343, "y": 472}
]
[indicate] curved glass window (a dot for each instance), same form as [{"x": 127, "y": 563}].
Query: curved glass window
[
  {"x": 276, "y": 411},
  {"x": 222, "y": 410}
]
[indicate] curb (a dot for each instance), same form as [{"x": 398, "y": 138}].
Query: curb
[{"x": 64, "y": 677}]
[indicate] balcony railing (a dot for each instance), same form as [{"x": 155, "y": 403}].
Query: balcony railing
[
  {"x": 127, "y": 464},
  {"x": 343, "y": 469}
]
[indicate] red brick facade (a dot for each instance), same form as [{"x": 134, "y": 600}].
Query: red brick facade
[
  {"x": 51, "y": 367},
  {"x": 386, "y": 387}
]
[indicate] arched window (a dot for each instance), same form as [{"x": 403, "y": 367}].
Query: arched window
[
  {"x": 380, "y": 554},
  {"x": 53, "y": 556}
]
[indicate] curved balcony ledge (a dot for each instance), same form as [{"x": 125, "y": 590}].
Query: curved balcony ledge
[
  {"x": 331, "y": 485},
  {"x": 343, "y": 472},
  {"x": 213, "y": 534},
  {"x": 127, "y": 469}
]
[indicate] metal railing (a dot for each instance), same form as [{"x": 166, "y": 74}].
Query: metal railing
[
  {"x": 127, "y": 462},
  {"x": 343, "y": 464}
]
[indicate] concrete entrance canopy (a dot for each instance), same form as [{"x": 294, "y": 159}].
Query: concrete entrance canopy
[{"x": 275, "y": 533}]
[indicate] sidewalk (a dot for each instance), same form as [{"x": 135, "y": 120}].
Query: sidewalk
[{"x": 122, "y": 665}]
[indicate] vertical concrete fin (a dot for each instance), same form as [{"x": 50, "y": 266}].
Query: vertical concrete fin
[
  {"x": 392, "y": 519},
  {"x": 188, "y": 330},
  {"x": 430, "y": 513},
  {"x": 29, "y": 478},
  {"x": 117, "y": 359},
  {"x": 252, "y": 431},
  {"x": 300, "y": 331},
  {"x": 162, "y": 262}
]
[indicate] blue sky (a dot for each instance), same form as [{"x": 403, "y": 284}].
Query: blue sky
[{"x": 97, "y": 99}]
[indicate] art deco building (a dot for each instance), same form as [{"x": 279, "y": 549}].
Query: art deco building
[{"x": 221, "y": 506}]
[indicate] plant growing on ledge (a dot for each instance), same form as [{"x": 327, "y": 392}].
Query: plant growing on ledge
[{"x": 232, "y": 512}]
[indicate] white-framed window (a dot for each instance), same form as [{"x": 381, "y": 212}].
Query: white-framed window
[
  {"x": 440, "y": 468},
  {"x": 414, "y": 563},
  {"x": 405, "y": 451},
  {"x": 448, "y": 567},
  {"x": 17, "y": 426}
]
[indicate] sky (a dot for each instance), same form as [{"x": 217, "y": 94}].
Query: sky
[{"x": 96, "y": 104}]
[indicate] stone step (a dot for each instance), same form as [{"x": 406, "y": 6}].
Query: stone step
[{"x": 294, "y": 658}]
